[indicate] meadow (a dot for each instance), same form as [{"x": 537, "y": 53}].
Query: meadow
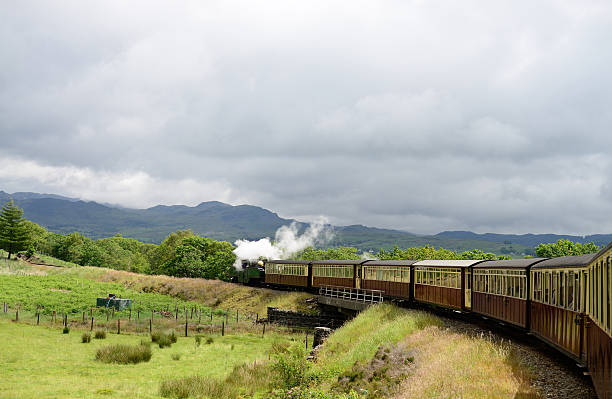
[{"x": 43, "y": 362}]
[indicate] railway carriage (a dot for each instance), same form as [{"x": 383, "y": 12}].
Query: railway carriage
[
  {"x": 558, "y": 302},
  {"x": 500, "y": 289},
  {"x": 391, "y": 276},
  {"x": 339, "y": 273},
  {"x": 294, "y": 273},
  {"x": 444, "y": 282},
  {"x": 598, "y": 326}
]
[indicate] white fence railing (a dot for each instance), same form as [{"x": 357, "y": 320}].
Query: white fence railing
[{"x": 352, "y": 294}]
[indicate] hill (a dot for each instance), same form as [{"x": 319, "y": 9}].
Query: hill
[{"x": 228, "y": 222}]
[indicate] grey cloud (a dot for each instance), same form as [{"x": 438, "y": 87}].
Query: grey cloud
[{"x": 419, "y": 116}]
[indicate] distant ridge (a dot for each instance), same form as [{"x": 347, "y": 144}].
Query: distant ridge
[
  {"x": 530, "y": 240},
  {"x": 223, "y": 221}
]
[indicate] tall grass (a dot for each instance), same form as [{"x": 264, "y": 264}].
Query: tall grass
[
  {"x": 449, "y": 364},
  {"x": 124, "y": 354},
  {"x": 244, "y": 381}
]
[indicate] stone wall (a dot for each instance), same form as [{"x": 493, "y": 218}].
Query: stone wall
[{"x": 299, "y": 319}]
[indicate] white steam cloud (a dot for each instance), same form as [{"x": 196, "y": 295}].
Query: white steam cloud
[{"x": 287, "y": 242}]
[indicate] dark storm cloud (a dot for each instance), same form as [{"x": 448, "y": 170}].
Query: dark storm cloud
[{"x": 422, "y": 116}]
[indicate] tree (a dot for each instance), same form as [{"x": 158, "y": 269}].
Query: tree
[
  {"x": 13, "y": 232},
  {"x": 565, "y": 248},
  {"x": 201, "y": 257}
]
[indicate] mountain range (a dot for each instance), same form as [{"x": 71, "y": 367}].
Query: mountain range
[{"x": 228, "y": 222}]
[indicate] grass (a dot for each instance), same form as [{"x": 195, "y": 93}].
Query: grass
[
  {"x": 74, "y": 294},
  {"x": 124, "y": 354},
  {"x": 40, "y": 362},
  {"x": 75, "y": 289},
  {"x": 451, "y": 365},
  {"x": 212, "y": 293}
]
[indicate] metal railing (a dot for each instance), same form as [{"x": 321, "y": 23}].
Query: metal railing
[{"x": 352, "y": 294}]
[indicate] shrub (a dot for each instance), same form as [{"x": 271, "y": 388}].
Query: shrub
[
  {"x": 198, "y": 340},
  {"x": 163, "y": 339},
  {"x": 209, "y": 340},
  {"x": 124, "y": 354},
  {"x": 100, "y": 334},
  {"x": 66, "y": 330},
  {"x": 86, "y": 338},
  {"x": 176, "y": 356},
  {"x": 291, "y": 367}
]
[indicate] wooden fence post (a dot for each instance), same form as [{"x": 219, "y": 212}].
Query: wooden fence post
[
  {"x": 92, "y": 324},
  {"x": 119, "y": 325},
  {"x": 37, "y": 318},
  {"x": 17, "y": 315},
  {"x": 150, "y": 326},
  {"x": 222, "y": 328},
  {"x": 236, "y": 316},
  {"x": 263, "y": 334},
  {"x": 130, "y": 317},
  {"x": 83, "y": 317}
]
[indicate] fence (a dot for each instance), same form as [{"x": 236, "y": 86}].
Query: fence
[{"x": 352, "y": 294}]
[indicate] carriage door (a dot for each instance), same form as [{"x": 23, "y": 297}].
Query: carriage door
[
  {"x": 357, "y": 276},
  {"x": 467, "y": 275},
  {"x": 582, "y": 309}
]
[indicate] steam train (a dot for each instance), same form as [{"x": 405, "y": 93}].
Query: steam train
[{"x": 563, "y": 301}]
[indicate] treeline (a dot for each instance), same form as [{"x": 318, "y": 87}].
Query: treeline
[{"x": 417, "y": 253}]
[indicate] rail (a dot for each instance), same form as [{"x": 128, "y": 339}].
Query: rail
[{"x": 352, "y": 294}]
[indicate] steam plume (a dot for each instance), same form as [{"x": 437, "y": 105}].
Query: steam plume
[{"x": 287, "y": 242}]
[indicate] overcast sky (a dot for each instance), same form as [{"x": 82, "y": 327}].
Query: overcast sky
[{"x": 417, "y": 115}]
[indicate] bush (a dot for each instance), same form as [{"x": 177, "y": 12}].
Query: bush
[
  {"x": 209, "y": 340},
  {"x": 176, "y": 356},
  {"x": 124, "y": 354},
  {"x": 198, "y": 340},
  {"x": 100, "y": 334},
  {"x": 86, "y": 338},
  {"x": 291, "y": 367},
  {"x": 66, "y": 330},
  {"x": 163, "y": 339}
]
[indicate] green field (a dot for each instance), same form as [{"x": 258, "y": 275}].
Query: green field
[{"x": 43, "y": 362}]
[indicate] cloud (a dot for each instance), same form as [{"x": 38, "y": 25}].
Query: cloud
[{"x": 422, "y": 116}]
